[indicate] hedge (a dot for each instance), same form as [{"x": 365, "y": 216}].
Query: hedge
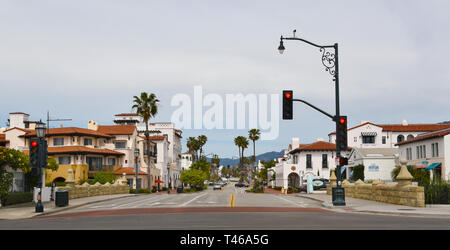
[{"x": 18, "y": 197}]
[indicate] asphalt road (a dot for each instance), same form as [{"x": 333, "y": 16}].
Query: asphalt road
[{"x": 231, "y": 208}]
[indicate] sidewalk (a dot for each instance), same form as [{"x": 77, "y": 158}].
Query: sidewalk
[
  {"x": 27, "y": 210},
  {"x": 367, "y": 206}
]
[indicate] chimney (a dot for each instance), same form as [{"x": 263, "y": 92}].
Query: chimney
[
  {"x": 92, "y": 125},
  {"x": 405, "y": 123},
  {"x": 295, "y": 142}
]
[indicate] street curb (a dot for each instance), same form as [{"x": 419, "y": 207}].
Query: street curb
[{"x": 76, "y": 206}]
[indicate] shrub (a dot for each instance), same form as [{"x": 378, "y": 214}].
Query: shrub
[
  {"x": 104, "y": 177},
  {"x": 18, "y": 197},
  {"x": 358, "y": 172},
  {"x": 140, "y": 191},
  {"x": 437, "y": 192}
]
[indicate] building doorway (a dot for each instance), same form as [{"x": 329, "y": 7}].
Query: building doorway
[{"x": 293, "y": 180}]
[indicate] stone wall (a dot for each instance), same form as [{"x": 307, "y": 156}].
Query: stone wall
[
  {"x": 401, "y": 193},
  {"x": 86, "y": 190}
]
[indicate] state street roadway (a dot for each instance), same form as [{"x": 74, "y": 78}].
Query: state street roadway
[{"x": 229, "y": 208}]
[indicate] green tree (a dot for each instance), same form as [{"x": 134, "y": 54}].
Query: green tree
[
  {"x": 14, "y": 159},
  {"x": 202, "y": 165},
  {"x": 242, "y": 143},
  {"x": 146, "y": 106},
  {"x": 193, "y": 145},
  {"x": 253, "y": 135},
  {"x": 193, "y": 177},
  {"x": 358, "y": 172},
  {"x": 202, "y": 139}
]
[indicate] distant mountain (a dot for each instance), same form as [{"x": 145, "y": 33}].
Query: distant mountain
[
  {"x": 445, "y": 122},
  {"x": 264, "y": 157}
]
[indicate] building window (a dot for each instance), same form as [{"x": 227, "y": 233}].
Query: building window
[
  {"x": 383, "y": 139},
  {"x": 295, "y": 159},
  {"x": 324, "y": 161},
  {"x": 355, "y": 139},
  {"x": 87, "y": 141},
  {"x": 64, "y": 160},
  {"x": 409, "y": 154},
  {"x": 368, "y": 139},
  {"x": 112, "y": 161},
  {"x": 308, "y": 161},
  {"x": 58, "y": 141},
  {"x": 400, "y": 138},
  {"x": 120, "y": 144},
  {"x": 417, "y": 152},
  {"x": 434, "y": 150}
]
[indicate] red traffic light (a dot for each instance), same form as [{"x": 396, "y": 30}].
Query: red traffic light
[
  {"x": 288, "y": 95},
  {"x": 342, "y": 121},
  {"x": 34, "y": 143}
]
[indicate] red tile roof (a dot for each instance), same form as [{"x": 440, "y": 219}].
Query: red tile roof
[
  {"x": 128, "y": 171},
  {"x": 404, "y": 128},
  {"x": 70, "y": 131},
  {"x": 127, "y": 114},
  {"x": 316, "y": 146},
  {"x": 426, "y": 136},
  {"x": 155, "y": 137},
  {"x": 21, "y": 129},
  {"x": 80, "y": 150},
  {"x": 117, "y": 129}
]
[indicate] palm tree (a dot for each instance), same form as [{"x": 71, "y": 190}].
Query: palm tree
[
  {"x": 242, "y": 143},
  {"x": 147, "y": 107},
  {"x": 202, "y": 139},
  {"x": 193, "y": 146},
  {"x": 253, "y": 135}
]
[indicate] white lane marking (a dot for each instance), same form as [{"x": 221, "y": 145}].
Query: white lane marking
[
  {"x": 139, "y": 201},
  {"x": 164, "y": 203},
  {"x": 297, "y": 204},
  {"x": 184, "y": 204},
  {"x": 103, "y": 206}
]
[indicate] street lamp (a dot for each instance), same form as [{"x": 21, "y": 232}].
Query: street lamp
[
  {"x": 330, "y": 61},
  {"x": 168, "y": 177},
  {"x": 136, "y": 156},
  {"x": 42, "y": 155}
]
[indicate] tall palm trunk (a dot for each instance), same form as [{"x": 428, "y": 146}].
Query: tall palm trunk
[{"x": 147, "y": 138}]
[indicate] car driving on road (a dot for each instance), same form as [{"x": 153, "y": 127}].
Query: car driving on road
[
  {"x": 241, "y": 184},
  {"x": 217, "y": 186}
]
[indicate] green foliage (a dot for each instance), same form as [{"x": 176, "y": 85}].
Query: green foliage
[
  {"x": 140, "y": 191},
  {"x": 202, "y": 165},
  {"x": 17, "y": 198},
  {"x": 358, "y": 172},
  {"x": 104, "y": 177},
  {"x": 6, "y": 180},
  {"x": 194, "y": 177},
  {"x": 437, "y": 192},
  {"x": 13, "y": 158}
]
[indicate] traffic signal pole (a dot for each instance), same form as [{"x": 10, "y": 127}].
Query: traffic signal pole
[{"x": 331, "y": 62}]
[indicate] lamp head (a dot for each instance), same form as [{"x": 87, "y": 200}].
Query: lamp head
[{"x": 281, "y": 47}]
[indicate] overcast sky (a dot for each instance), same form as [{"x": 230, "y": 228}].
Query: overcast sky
[{"x": 85, "y": 60}]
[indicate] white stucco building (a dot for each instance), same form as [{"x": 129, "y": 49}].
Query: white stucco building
[
  {"x": 186, "y": 160},
  {"x": 430, "y": 151},
  {"x": 300, "y": 160},
  {"x": 166, "y": 129},
  {"x": 378, "y": 162}
]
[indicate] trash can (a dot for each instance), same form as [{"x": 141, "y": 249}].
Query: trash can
[{"x": 61, "y": 198}]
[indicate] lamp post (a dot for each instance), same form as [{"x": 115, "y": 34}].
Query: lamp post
[
  {"x": 331, "y": 63},
  {"x": 168, "y": 178},
  {"x": 136, "y": 156},
  {"x": 40, "y": 133}
]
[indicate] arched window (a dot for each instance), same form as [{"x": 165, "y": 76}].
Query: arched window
[
  {"x": 410, "y": 137},
  {"x": 400, "y": 138}
]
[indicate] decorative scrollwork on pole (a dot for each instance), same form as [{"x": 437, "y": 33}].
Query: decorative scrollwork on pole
[{"x": 328, "y": 60}]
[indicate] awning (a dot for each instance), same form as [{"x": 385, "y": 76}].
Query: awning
[
  {"x": 368, "y": 133},
  {"x": 431, "y": 166}
]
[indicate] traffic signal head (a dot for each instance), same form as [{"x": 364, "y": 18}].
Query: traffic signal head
[
  {"x": 34, "y": 153},
  {"x": 343, "y": 161},
  {"x": 341, "y": 133},
  {"x": 287, "y": 104}
]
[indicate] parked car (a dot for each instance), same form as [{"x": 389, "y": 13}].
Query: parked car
[
  {"x": 241, "y": 184},
  {"x": 217, "y": 186}
]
